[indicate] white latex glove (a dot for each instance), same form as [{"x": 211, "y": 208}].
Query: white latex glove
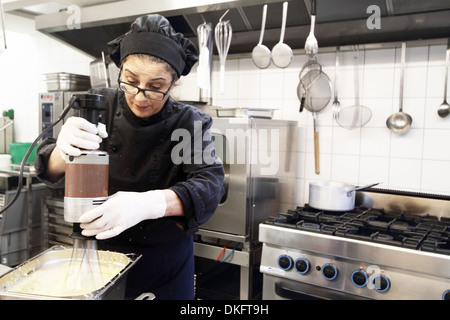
[
  {"x": 78, "y": 133},
  {"x": 122, "y": 211}
]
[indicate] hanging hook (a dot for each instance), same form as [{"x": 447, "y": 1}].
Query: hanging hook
[
  {"x": 220, "y": 20},
  {"x": 203, "y": 18}
]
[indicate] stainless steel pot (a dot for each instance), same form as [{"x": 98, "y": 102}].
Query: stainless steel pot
[{"x": 333, "y": 196}]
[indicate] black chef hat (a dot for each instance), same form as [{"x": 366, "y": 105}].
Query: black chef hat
[{"x": 152, "y": 34}]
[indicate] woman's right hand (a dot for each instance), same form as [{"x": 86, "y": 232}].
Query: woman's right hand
[{"x": 78, "y": 133}]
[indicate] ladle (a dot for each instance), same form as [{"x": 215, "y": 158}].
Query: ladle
[
  {"x": 400, "y": 122},
  {"x": 444, "y": 108},
  {"x": 261, "y": 54},
  {"x": 281, "y": 53}
]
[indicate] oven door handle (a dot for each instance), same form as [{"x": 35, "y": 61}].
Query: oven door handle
[
  {"x": 292, "y": 294},
  {"x": 304, "y": 291}
]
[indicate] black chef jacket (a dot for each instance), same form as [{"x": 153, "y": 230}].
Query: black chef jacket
[{"x": 140, "y": 160}]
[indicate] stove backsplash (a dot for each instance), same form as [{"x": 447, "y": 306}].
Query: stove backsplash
[{"x": 409, "y": 203}]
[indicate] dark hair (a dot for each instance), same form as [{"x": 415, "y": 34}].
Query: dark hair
[{"x": 151, "y": 58}]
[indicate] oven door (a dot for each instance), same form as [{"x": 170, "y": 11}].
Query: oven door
[{"x": 276, "y": 288}]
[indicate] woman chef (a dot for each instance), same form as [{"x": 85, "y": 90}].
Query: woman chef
[{"x": 157, "y": 203}]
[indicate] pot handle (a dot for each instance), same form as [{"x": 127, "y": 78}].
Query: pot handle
[{"x": 350, "y": 190}]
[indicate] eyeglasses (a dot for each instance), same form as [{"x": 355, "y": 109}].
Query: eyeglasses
[{"x": 149, "y": 94}]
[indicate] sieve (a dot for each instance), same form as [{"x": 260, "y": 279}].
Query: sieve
[
  {"x": 261, "y": 54},
  {"x": 314, "y": 89},
  {"x": 355, "y": 116},
  {"x": 314, "y": 92}
]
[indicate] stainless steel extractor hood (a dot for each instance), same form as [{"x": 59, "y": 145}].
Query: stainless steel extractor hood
[{"x": 339, "y": 22}]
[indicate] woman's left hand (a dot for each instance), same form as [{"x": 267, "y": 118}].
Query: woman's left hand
[{"x": 122, "y": 211}]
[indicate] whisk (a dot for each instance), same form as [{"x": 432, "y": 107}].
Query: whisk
[
  {"x": 223, "y": 33},
  {"x": 84, "y": 269}
]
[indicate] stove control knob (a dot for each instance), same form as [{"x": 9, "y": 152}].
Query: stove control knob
[
  {"x": 381, "y": 283},
  {"x": 359, "y": 278},
  {"x": 446, "y": 295},
  {"x": 285, "y": 262},
  {"x": 302, "y": 265},
  {"x": 329, "y": 271}
]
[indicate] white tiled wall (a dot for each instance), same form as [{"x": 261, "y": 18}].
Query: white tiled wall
[
  {"x": 415, "y": 161},
  {"x": 418, "y": 160},
  {"x": 30, "y": 55}
]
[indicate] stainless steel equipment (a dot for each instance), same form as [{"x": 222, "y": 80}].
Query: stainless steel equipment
[
  {"x": 58, "y": 255},
  {"x": 55, "y": 229},
  {"x": 20, "y": 225},
  {"x": 260, "y": 162},
  {"x": 51, "y": 105},
  {"x": 103, "y": 73},
  {"x": 259, "y": 157},
  {"x": 63, "y": 81},
  {"x": 393, "y": 245}
]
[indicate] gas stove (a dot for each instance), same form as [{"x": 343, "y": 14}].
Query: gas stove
[{"x": 391, "y": 246}]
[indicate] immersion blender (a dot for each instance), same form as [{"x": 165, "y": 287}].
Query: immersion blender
[{"x": 86, "y": 183}]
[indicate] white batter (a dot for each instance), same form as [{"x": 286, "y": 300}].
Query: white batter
[{"x": 63, "y": 279}]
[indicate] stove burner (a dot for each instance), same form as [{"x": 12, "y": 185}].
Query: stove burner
[
  {"x": 309, "y": 226},
  {"x": 383, "y": 237},
  {"x": 421, "y": 232}
]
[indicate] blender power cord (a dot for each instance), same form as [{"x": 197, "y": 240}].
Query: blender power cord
[{"x": 66, "y": 110}]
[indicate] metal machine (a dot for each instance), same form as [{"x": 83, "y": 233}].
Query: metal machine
[
  {"x": 259, "y": 158},
  {"x": 52, "y": 104},
  {"x": 86, "y": 183},
  {"x": 393, "y": 245}
]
